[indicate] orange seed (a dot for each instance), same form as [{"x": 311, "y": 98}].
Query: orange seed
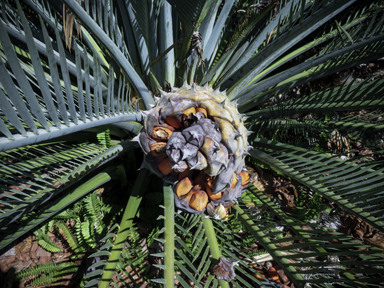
[
  {"x": 234, "y": 180},
  {"x": 272, "y": 273},
  {"x": 213, "y": 196},
  {"x": 244, "y": 178},
  {"x": 199, "y": 200},
  {"x": 189, "y": 111},
  {"x": 173, "y": 122},
  {"x": 202, "y": 110},
  {"x": 183, "y": 187}
]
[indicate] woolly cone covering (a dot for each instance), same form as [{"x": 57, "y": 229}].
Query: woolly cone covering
[{"x": 196, "y": 133}]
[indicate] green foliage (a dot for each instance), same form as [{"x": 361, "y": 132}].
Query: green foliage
[
  {"x": 322, "y": 143},
  {"x": 94, "y": 213},
  {"x": 43, "y": 239},
  {"x": 283, "y": 62},
  {"x": 71, "y": 239},
  {"x": 48, "y": 273},
  {"x": 89, "y": 234},
  {"x": 121, "y": 174},
  {"x": 104, "y": 138},
  {"x": 309, "y": 206}
]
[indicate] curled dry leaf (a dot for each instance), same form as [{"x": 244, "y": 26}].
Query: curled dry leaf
[
  {"x": 224, "y": 270},
  {"x": 218, "y": 212}
]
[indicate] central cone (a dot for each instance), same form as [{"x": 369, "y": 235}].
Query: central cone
[{"x": 195, "y": 139}]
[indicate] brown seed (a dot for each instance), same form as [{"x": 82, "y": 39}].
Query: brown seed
[
  {"x": 234, "y": 180},
  {"x": 200, "y": 179},
  {"x": 273, "y": 274},
  {"x": 244, "y": 178},
  {"x": 261, "y": 277},
  {"x": 211, "y": 195},
  {"x": 189, "y": 111},
  {"x": 161, "y": 133},
  {"x": 165, "y": 166},
  {"x": 202, "y": 110},
  {"x": 158, "y": 149},
  {"x": 183, "y": 187},
  {"x": 182, "y": 175},
  {"x": 173, "y": 122},
  {"x": 199, "y": 200}
]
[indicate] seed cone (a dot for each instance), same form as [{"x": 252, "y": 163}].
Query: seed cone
[{"x": 195, "y": 137}]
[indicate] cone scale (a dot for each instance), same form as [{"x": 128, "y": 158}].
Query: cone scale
[{"x": 195, "y": 139}]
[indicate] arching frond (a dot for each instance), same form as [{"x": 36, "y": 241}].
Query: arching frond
[
  {"x": 40, "y": 173},
  {"x": 311, "y": 253},
  {"x": 300, "y": 120},
  {"x": 30, "y": 115},
  {"x": 333, "y": 178},
  {"x": 71, "y": 65},
  {"x": 321, "y": 66},
  {"x": 364, "y": 95}
]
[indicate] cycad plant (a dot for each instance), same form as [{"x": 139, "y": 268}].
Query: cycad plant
[{"x": 185, "y": 70}]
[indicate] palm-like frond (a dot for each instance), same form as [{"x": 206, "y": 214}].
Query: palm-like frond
[
  {"x": 196, "y": 243},
  {"x": 40, "y": 173},
  {"x": 188, "y": 246},
  {"x": 285, "y": 119},
  {"x": 326, "y": 257},
  {"x": 30, "y": 117},
  {"x": 364, "y": 95},
  {"x": 333, "y": 178},
  {"x": 129, "y": 49},
  {"x": 336, "y": 56}
]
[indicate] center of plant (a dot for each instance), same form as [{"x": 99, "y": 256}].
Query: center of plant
[{"x": 195, "y": 139}]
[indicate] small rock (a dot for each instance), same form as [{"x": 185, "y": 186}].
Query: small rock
[
  {"x": 18, "y": 266},
  {"x": 284, "y": 278},
  {"x": 34, "y": 247},
  {"x": 44, "y": 259},
  {"x": 6, "y": 261},
  {"x": 10, "y": 252},
  {"x": 24, "y": 256},
  {"x": 23, "y": 248}
]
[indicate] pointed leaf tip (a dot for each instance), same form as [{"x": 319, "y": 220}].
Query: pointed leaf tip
[{"x": 185, "y": 85}]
